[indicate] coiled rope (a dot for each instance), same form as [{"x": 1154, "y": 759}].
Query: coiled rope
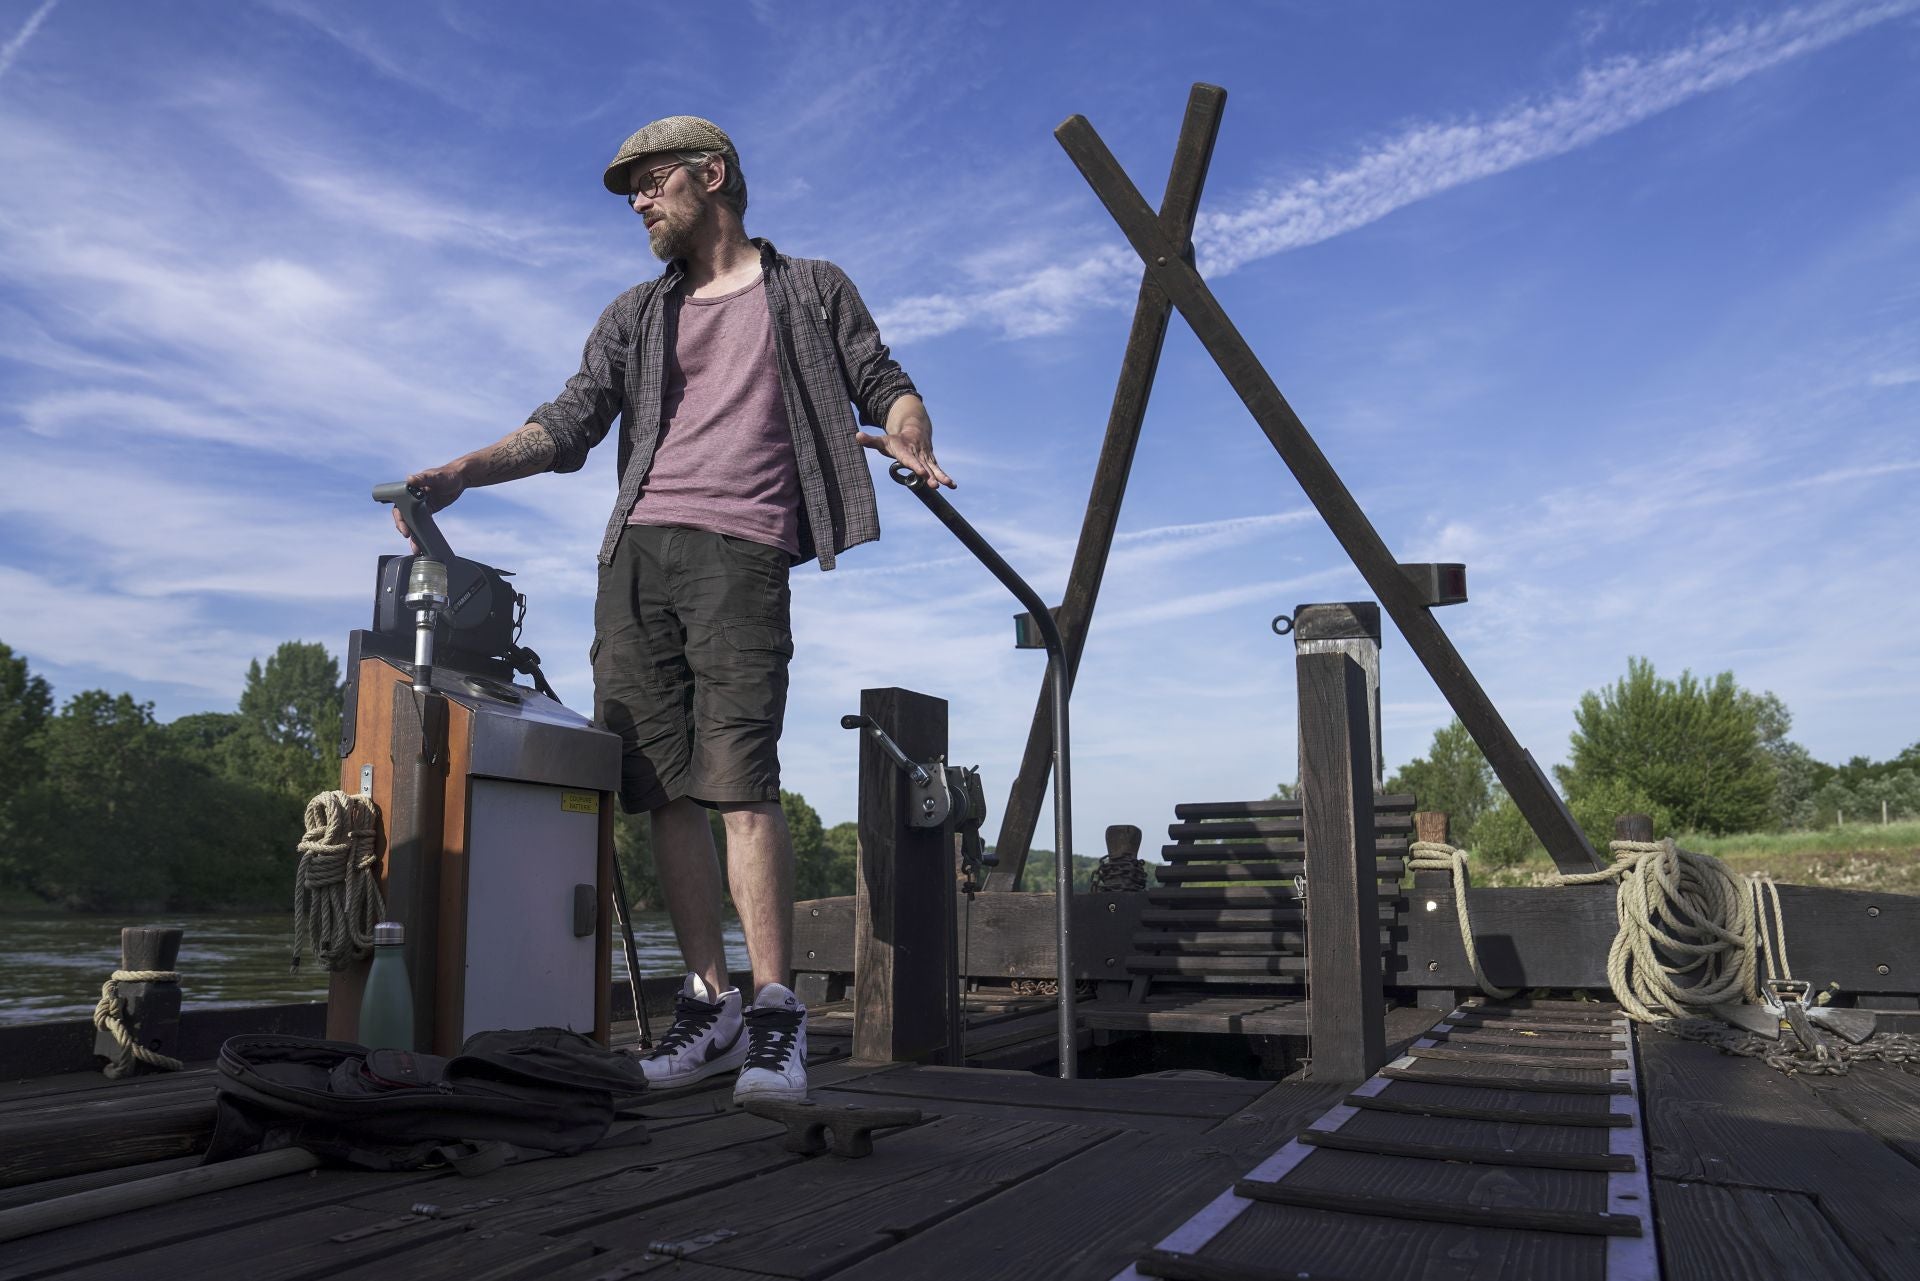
[
  {"x": 1438, "y": 856},
  {"x": 110, "y": 1016},
  {"x": 1691, "y": 907},
  {"x": 336, "y": 899},
  {"x": 1119, "y": 874}
]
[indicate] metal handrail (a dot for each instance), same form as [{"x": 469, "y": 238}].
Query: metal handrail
[{"x": 971, "y": 538}]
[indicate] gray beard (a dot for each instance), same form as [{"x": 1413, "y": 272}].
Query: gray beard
[{"x": 670, "y": 239}]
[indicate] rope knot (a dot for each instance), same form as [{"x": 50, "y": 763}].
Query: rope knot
[
  {"x": 336, "y": 898},
  {"x": 110, "y": 1016}
]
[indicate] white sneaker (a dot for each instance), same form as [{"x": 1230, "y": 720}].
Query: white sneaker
[
  {"x": 704, "y": 1040},
  {"x": 776, "y": 1047}
]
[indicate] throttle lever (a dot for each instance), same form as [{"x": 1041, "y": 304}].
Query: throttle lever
[{"x": 932, "y": 801}]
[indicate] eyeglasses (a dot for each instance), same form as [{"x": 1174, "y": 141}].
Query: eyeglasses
[{"x": 653, "y": 182}]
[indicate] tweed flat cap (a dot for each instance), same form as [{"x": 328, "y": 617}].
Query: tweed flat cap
[{"x": 675, "y": 133}]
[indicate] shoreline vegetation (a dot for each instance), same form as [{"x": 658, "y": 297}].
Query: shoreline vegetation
[
  {"x": 1859, "y": 856},
  {"x": 103, "y": 808}
]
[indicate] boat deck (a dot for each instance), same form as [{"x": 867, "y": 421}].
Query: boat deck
[{"x": 1015, "y": 1175}]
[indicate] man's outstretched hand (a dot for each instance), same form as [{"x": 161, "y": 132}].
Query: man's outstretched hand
[
  {"x": 436, "y": 487},
  {"x": 908, "y": 440}
]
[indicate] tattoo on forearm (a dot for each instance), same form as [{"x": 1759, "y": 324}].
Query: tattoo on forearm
[{"x": 525, "y": 453}]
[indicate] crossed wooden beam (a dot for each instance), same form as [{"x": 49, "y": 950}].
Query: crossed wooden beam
[{"x": 1164, "y": 243}]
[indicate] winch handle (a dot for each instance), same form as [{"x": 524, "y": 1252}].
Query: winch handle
[{"x": 413, "y": 509}]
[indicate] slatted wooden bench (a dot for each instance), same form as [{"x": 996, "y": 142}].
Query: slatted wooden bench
[{"x": 1227, "y": 911}]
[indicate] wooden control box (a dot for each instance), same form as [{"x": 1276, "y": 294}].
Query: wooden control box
[{"x": 522, "y": 851}]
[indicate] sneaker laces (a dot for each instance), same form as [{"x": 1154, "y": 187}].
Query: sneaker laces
[
  {"x": 771, "y": 1035},
  {"x": 691, "y": 1019}
]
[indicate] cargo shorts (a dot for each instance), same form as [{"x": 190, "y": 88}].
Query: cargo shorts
[{"x": 692, "y": 636}]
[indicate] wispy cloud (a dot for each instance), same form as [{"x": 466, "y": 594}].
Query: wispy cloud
[
  {"x": 1420, "y": 161},
  {"x": 11, "y": 49}
]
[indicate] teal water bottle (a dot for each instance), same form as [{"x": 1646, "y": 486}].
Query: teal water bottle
[{"x": 386, "y": 1006}]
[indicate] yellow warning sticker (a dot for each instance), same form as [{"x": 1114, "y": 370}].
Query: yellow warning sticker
[{"x": 580, "y": 802}]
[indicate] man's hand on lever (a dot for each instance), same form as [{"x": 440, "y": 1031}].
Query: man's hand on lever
[
  {"x": 909, "y": 440},
  {"x": 525, "y": 452}
]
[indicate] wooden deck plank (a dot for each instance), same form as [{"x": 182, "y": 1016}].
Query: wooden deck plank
[
  {"x": 78, "y": 1139},
  {"x": 1716, "y": 1118},
  {"x": 1207, "y": 1015},
  {"x": 478, "y": 1255},
  {"x": 1492, "y": 1187},
  {"x": 1014, "y": 1113},
  {"x": 1290, "y": 1241},
  {"x": 1492, "y": 1135},
  {"x": 91, "y": 1087},
  {"x": 1748, "y": 1234},
  {"x": 822, "y": 1214},
  {"x": 1287, "y": 1108},
  {"x": 1142, "y": 1096},
  {"x": 150, "y": 1232},
  {"x": 1588, "y": 1106},
  {"x": 1435, "y": 1072},
  {"x": 163, "y": 1231},
  {"x": 278, "y": 1247},
  {"x": 1092, "y": 1215},
  {"x": 1880, "y": 1098}
]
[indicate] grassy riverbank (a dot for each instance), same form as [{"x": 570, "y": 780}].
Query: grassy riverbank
[{"x": 1860, "y": 857}]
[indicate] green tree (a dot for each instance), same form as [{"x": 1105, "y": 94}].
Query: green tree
[
  {"x": 840, "y": 852},
  {"x": 26, "y": 704},
  {"x": 1501, "y": 836},
  {"x": 1452, "y": 777},
  {"x": 1691, "y": 747},
  {"x": 1038, "y": 875},
  {"x": 108, "y": 813},
  {"x": 811, "y": 858},
  {"x": 633, "y": 849},
  {"x": 290, "y": 719}
]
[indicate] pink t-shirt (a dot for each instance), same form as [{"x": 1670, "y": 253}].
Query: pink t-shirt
[{"x": 725, "y": 458}]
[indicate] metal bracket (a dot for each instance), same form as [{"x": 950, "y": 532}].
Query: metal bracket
[
  {"x": 422, "y": 1212},
  {"x": 366, "y": 782},
  {"x": 692, "y": 1245}
]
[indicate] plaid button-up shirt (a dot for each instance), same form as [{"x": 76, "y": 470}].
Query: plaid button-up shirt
[{"x": 831, "y": 359}]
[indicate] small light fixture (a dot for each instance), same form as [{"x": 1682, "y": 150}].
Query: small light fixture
[{"x": 427, "y": 595}]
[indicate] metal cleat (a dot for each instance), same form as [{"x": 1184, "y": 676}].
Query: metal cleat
[{"x": 813, "y": 1128}]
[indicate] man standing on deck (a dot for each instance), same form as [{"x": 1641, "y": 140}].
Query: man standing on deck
[{"x": 733, "y": 374}]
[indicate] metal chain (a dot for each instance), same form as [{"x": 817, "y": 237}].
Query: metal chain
[{"x": 1789, "y": 1056}]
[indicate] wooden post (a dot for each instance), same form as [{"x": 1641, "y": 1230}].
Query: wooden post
[
  {"x": 1434, "y": 826},
  {"x": 415, "y": 828},
  {"x": 1346, "y": 1018},
  {"x": 1191, "y": 156},
  {"x": 903, "y": 897},
  {"x": 151, "y": 1010},
  {"x": 1633, "y": 827},
  {"x": 1352, "y": 629}
]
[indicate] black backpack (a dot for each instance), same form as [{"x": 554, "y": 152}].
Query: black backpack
[{"x": 545, "y": 1089}]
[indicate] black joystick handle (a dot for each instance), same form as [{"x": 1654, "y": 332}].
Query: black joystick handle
[{"x": 413, "y": 509}]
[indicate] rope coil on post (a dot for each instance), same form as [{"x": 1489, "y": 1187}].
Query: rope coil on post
[
  {"x": 1686, "y": 905},
  {"x": 336, "y": 898},
  {"x": 1438, "y": 856},
  {"x": 110, "y": 1014}
]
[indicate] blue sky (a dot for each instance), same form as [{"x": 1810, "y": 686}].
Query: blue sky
[{"x": 1620, "y": 305}]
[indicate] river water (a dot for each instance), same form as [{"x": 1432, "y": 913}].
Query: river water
[{"x": 52, "y": 965}]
